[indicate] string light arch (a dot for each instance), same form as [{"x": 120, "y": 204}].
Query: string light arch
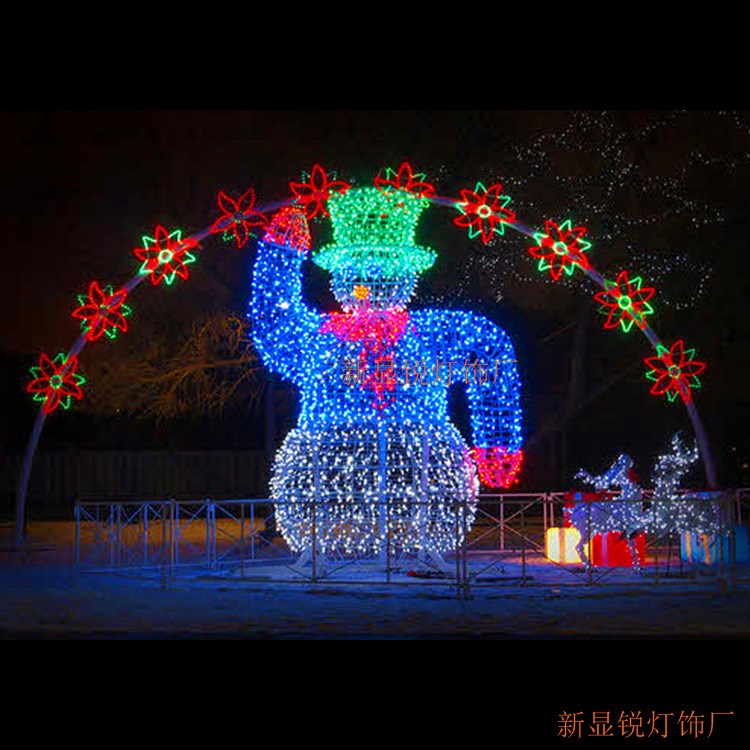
[{"x": 496, "y": 457}]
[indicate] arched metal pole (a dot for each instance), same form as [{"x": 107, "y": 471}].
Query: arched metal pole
[
  {"x": 703, "y": 445},
  {"x": 23, "y": 483},
  {"x": 28, "y": 460},
  {"x": 698, "y": 427},
  {"x": 22, "y": 488}
]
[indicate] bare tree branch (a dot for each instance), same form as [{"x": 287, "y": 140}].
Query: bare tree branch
[{"x": 212, "y": 367}]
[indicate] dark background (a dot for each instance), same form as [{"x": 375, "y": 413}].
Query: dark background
[{"x": 82, "y": 186}]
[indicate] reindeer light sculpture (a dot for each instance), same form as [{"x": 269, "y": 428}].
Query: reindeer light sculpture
[{"x": 628, "y": 513}]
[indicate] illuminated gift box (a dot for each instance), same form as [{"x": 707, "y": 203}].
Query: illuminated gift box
[
  {"x": 704, "y": 548},
  {"x": 561, "y": 545},
  {"x": 611, "y": 550}
]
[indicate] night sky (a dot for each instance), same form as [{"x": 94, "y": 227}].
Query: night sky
[{"x": 663, "y": 192}]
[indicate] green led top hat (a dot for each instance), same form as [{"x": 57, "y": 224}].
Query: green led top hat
[{"x": 374, "y": 229}]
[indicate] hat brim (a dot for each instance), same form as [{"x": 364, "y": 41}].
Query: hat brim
[{"x": 391, "y": 261}]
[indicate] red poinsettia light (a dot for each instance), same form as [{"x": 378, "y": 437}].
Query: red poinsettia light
[
  {"x": 405, "y": 179},
  {"x": 674, "y": 372},
  {"x": 239, "y": 216},
  {"x": 165, "y": 255},
  {"x": 314, "y": 194},
  {"x": 497, "y": 467},
  {"x": 56, "y": 382},
  {"x": 561, "y": 248},
  {"x": 484, "y": 211},
  {"x": 102, "y": 312},
  {"x": 625, "y": 302}
]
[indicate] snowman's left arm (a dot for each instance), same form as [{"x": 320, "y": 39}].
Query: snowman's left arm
[{"x": 487, "y": 365}]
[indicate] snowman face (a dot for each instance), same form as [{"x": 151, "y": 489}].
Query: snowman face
[
  {"x": 369, "y": 288},
  {"x": 374, "y": 260}
]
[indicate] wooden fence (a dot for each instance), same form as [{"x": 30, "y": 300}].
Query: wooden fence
[{"x": 60, "y": 478}]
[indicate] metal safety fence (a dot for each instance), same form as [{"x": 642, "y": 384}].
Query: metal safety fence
[{"x": 502, "y": 540}]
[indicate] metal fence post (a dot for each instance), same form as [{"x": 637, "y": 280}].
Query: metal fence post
[
  {"x": 164, "y": 549},
  {"x": 656, "y": 540},
  {"x": 207, "y": 553},
  {"x": 144, "y": 511},
  {"x": 119, "y": 545},
  {"x": 733, "y": 543},
  {"x": 502, "y": 523},
  {"x": 464, "y": 550},
  {"x": 720, "y": 541},
  {"x": 252, "y": 530},
  {"x": 175, "y": 559},
  {"x": 388, "y": 541},
  {"x": 77, "y": 515},
  {"x": 590, "y": 566},
  {"x": 458, "y": 548},
  {"x": 316, "y": 495},
  {"x": 315, "y": 540},
  {"x": 384, "y": 507},
  {"x": 242, "y": 539},
  {"x": 523, "y": 546},
  {"x": 111, "y": 524}
]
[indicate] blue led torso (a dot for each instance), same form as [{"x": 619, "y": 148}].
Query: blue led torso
[{"x": 289, "y": 337}]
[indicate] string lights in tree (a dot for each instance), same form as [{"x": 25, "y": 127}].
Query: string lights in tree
[
  {"x": 103, "y": 312},
  {"x": 644, "y": 180},
  {"x": 56, "y": 381},
  {"x": 684, "y": 280},
  {"x": 165, "y": 255}
]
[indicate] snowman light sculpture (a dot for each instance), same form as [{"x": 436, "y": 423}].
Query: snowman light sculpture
[{"x": 375, "y": 460}]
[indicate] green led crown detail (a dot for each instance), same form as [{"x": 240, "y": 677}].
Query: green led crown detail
[{"x": 374, "y": 229}]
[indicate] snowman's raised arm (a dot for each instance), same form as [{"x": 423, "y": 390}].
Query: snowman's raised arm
[
  {"x": 487, "y": 366},
  {"x": 284, "y": 328}
]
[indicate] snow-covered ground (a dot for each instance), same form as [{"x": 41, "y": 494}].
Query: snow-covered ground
[
  {"x": 44, "y": 594},
  {"x": 55, "y": 600}
]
